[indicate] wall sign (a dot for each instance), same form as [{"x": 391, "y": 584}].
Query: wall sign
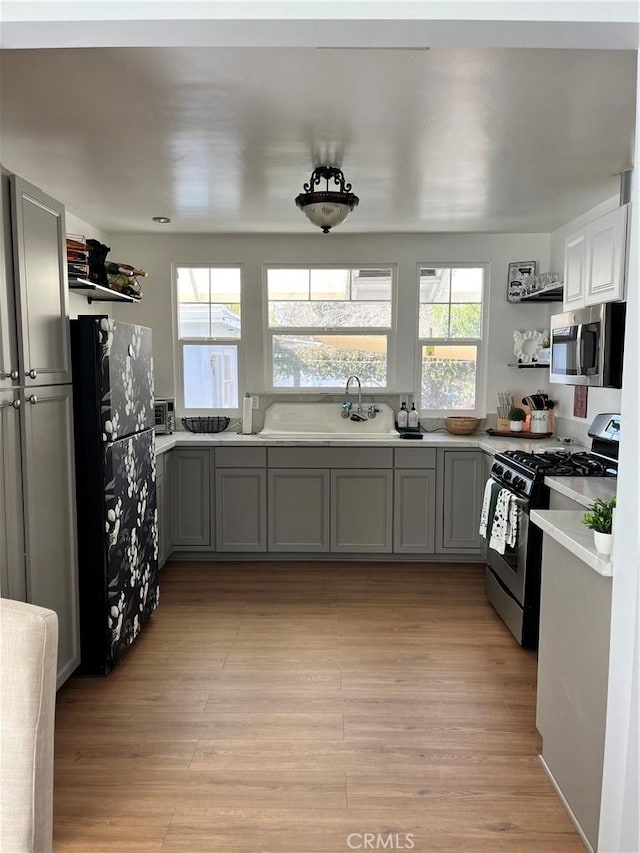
[{"x": 518, "y": 273}]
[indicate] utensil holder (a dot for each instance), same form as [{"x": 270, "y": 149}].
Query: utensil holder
[
  {"x": 540, "y": 421},
  {"x": 503, "y": 424}
]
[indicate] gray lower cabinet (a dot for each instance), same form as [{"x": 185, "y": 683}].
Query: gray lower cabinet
[
  {"x": 50, "y": 514},
  {"x": 164, "y": 504},
  {"x": 414, "y": 512},
  {"x": 191, "y": 498},
  {"x": 461, "y": 479},
  {"x": 241, "y": 509},
  {"x": 12, "y": 564},
  {"x": 361, "y": 510},
  {"x": 299, "y": 510}
]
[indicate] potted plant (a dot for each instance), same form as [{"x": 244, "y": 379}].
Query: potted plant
[
  {"x": 600, "y": 520},
  {"x": 517, "y": 418}
]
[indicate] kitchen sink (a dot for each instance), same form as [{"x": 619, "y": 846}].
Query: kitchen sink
[{"x": 324, "y": 422}]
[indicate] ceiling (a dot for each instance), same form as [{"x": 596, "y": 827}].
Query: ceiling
[{"x": 222, "y": 139}]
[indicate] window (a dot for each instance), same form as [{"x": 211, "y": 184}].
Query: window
[
  {"x": 209, "y": 332},
  {"x": 450, "y": 337},
  {"x": 326, "y": 324}
]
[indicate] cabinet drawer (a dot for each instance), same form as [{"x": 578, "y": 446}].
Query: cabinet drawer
[
  {"x": 241, "y": 457},
  {"x": 330, "y": 457},
  {"x": 415, "y": 457}
]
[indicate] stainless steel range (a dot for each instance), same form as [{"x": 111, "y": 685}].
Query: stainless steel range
[{"x": 512, "y": 579}]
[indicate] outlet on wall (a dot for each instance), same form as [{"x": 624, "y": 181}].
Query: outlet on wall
[{"x": 255, "y": 402}]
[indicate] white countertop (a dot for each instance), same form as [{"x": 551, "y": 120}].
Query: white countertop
[
  {"x": 480, "y": 440},
  {"x": 584, "y": 490},
  {"x": 565, "y": 527}
]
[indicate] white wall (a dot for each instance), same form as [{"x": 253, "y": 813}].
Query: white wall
[
  {"x": 599, "y": 399},
  {"x": 78, "y": 304},
  {"x": 156, "y": 254}
]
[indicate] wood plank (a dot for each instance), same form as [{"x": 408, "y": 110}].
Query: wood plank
[{"x": 279, "y": 707}]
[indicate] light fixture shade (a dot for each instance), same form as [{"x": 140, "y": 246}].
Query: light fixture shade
[{"x": 327, "y": 208}]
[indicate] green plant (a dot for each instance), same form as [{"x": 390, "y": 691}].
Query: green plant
[
  {"x": 517, "y": 414},
  {"x": 600, "y": 518}
]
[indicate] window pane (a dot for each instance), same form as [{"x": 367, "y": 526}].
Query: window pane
[
  {"x": 225, "y": 284},
  {"x": 210, "y": 376},
  {"x": 466, "y": 321},
  {"x": 310, "y": 361},
  {"x": 434, "y": 321},
  {"x": 449, "y": 377},
  {"x": 193, "y": 284},
  {"x": 329, "y": 315},
  {"x": 288, "y": 284},
  {"x": 208, "y": 302},
  {"x": 435, "y": 284},
  {"x": 466, "y": 284},
  {"x": 330, "y": 284},
  {"x": 371, "y": 285}
]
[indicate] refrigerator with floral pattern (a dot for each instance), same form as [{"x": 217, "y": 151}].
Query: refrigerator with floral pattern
[{"x": 115, "y": 485}]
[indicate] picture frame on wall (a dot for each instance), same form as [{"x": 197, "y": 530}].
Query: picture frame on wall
[{"x": 518, "y": 273}]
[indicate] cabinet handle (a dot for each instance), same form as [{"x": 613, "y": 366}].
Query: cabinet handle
[
  {"x": 33, "y": 399},
  {"x": 16, "y": 404},
  {"x": 13, "y": 374},
  {"x": 31, "y": 374}
]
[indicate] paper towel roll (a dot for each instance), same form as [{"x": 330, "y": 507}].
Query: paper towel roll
[{"x": 247, "y": 414}]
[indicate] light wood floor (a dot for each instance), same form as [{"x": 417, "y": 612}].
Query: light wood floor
[{"x": 280, "y": 707}]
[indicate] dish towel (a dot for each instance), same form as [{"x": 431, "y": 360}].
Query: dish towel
[
  {"x": 504, "y": 530},
  {"x": 491, "y": 492}
]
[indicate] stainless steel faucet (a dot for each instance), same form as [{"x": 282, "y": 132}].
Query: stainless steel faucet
[{"x": 346, "y": 391}]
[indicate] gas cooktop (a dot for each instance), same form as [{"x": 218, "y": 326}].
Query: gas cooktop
[{"x": 562, "y": 463}]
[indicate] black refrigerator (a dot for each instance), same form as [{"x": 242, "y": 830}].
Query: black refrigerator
[{"x": 115, "y": 486}]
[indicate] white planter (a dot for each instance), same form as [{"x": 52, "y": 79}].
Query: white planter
[
  {"x": 516, "y": 426},
  {"x": 603, "y": 542}
]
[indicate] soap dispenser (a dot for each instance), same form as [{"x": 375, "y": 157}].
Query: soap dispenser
[
  {"x": 412, "y": 418},
  {"x": 403, "y": 417}
]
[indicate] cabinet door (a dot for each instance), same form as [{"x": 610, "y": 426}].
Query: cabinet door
[
  {"x": 162, "y": 531},
  {"x": 606, "y": 258},
  {"x": 9, "y": 373},
  {"x": 50, "y": 514},
  {"x": 40, "y": 269},
  {"x": 361, "y": 511},
  {"x": 12, "y": 565},
  {"x": 299, "y": 509},
  {"x": 414, "y": 513},
  {"x": 461, "y": 487},
  {"x": 574, "y": 271},
  {"x": 241, "y": 509},
  {"x": 190, "y": 499}
]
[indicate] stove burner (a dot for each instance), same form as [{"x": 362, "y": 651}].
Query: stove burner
[{"x": 561, "y": 463}]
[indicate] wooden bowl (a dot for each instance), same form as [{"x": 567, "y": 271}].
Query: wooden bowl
[{"x": 462, "y": 426}]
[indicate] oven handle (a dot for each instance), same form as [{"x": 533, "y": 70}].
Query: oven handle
[{"x": 579, "y": 350}]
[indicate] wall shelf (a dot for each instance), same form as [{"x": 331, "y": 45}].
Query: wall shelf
[
  {"x": 552, "y": 293},
  {"x": 527, "y": 366},
  {"x": 97, "y": 293}
]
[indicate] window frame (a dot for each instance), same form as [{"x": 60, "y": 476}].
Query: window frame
[
  {"x": 480, "y": 343},
  {"x": 390, "y": 332},
  {"x": 178, "y": 349}
]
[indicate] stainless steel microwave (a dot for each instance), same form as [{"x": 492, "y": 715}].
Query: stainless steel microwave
[{"x": 587, "y": 346}]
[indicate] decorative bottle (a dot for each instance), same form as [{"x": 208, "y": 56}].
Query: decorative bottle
[
  {"x": 412, "y": 418},
  {"x": 403, "y": 417}
]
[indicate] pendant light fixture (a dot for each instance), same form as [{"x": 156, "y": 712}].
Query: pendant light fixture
[{"x": 327, "y": 208}]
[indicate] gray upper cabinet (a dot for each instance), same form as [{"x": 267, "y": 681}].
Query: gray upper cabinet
[
  {"x": 39, "y": 262},
  {"x": 361, "y": 510},
  {"x": 461, "y": 480},
  {"x": 9, "y": 369},
  {"x": 241, "y": 509},
  {"x": 299, "y": 510},
  {"x": 191, "y": 498},
  {"x": 414, "y": 514},
  {"x": 50, "y": 515},
  {"x": 12, "y": 564}
]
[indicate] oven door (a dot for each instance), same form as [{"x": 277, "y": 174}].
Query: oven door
[{"x": 511, "y": 567}]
